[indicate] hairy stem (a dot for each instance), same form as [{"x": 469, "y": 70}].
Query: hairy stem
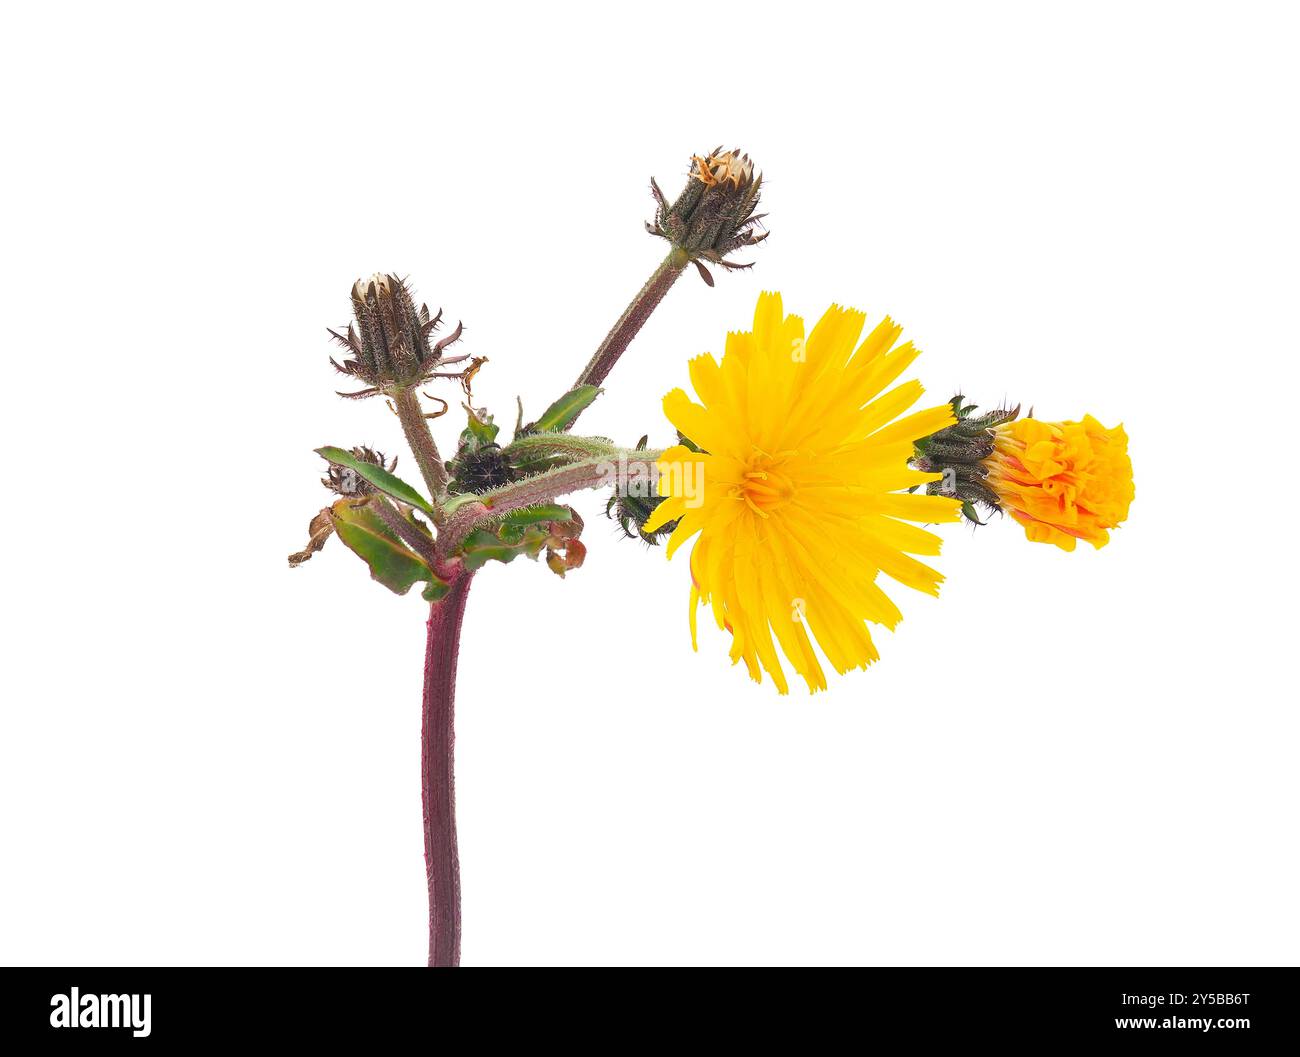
[
  {"x": 540, "y": 445},
  {"x": 633, "y": 319},
  {"x": 418, "y": 436},
  {"x": 410, "y": 535},
  {"x": 619, "y": 468},
  {"x": 438, "y": 738}
]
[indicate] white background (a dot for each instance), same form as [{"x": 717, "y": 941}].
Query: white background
[{"x": 1066, "y": 759}]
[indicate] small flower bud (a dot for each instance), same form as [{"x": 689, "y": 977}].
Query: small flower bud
[
  {"x": 632, "y": 513},
  {"x": 389, "y": 345},
  {"x": 714, "y": 214},
  {"x": 344, "y": 481}
]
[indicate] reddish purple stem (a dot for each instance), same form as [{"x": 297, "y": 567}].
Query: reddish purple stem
[
  {"x": 438, "y": 739},
  {"x": 632, "y": 320}
]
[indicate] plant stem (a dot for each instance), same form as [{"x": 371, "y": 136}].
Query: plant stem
[
  {"x": 633, "y": 319},
  {"x": 418, "y": 436},
  {"x": 438, "y": 737},
  {"x": 410, "y": 535},
  {"x": 618, "y": 468}
]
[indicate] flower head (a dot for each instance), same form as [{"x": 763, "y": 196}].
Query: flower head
[
  {"x": 389, "y": 346},
  {"x": 795, "y": 493},
  {"x": 714, "y": 214},
  {"x": 1063, "y": 481}
]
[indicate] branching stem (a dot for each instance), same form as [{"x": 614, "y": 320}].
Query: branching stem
[
  {"x": 620, "y": 468},
  {"x": 411, "y": 536}
]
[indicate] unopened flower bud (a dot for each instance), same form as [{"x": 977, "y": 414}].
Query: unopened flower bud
[
  {"x": 345, "y": 481},
  {"x": 632, "y": 512},
  {"x": 1062, "y": 481},
  {"x": 389, "y": 346}
]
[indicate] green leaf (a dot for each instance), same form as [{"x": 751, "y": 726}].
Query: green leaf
[
  {"x": 561, "y": 414},
  {"x": 482, "y": 546},
  {"x": 531, "y": 515},
  {"x": 533, "y": 542},
  {"x": 457, "y": 501},
  {"x": 386, "y": 482},
  {"x": 436, "y": 590},
  {"x": 479, "y": 432},
  {"x": 369, "y": 538}
]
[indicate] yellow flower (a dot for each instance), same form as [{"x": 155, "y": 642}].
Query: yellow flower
[
  {"x": 796, "y": 492},
  {"x": 1064, "y": 481}
]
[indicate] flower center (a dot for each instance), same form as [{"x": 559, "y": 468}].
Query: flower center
[{"x": 763, "y": 486}]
